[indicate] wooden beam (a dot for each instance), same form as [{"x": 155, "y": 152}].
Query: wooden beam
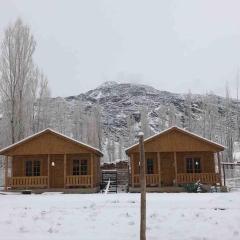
[
  {"x": 6, "y": 173},
  {"x": 143, "y": 188},
  {"x": 219, "y": 169},
  {"x": 64, "y": 170},
  {"x": 175, "y": 166},
  {"x": 159, "y": 167},
  {"x": 48, "y": 170},
  {"x": 91, "y": 170},
  {"x": 224, "y": 176},
  {"x": 11, "y": 167},
  {"x": 132, "y": 169}
]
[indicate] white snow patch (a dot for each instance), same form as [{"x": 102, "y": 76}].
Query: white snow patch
[{"x": 116, "y": 216}]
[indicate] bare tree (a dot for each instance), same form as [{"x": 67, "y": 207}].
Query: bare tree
[
  {"x": 188, "y": 110},
  {"x": 228, "y": 124},
  {"x": 16, "y": 64}
]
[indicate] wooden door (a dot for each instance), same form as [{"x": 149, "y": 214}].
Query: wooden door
[
  {"x": 167, "y": 169},
  {"x": 56, "y": 171}
]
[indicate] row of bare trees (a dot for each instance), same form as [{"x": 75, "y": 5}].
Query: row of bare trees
[{"x": 24, "y": 89}]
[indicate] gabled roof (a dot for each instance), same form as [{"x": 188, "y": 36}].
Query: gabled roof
[
  {"x": 175, "y": 128},
  {"x": 49, "y": 130}
]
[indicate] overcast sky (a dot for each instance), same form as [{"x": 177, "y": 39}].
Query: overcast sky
[{"x": 171, "y": 45}]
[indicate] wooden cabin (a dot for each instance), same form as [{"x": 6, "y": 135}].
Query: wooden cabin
[
  {"x": 49, "y": 161},
  {"x": 175, "y": 157}
]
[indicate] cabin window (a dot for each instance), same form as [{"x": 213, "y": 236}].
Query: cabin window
[
  {"x": 83, "y": 167},
  {"x": 32, "y": 168},
  {"x": 193, "y": 165},
  {"x": 28, "y": 166},
  {"x": 79, "y": 167},
  {"x": 76, "y": 167},
  {"x": 149, "y": 166}
]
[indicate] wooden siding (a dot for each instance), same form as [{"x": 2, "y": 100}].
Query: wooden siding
[
  {"x": 56, "y": 173},
  {"x": 47, "y": 143},
  {"x": 167, "y": 167},
  {"x": 18, "y": 164},
  {"x": 176, "y": 141}
]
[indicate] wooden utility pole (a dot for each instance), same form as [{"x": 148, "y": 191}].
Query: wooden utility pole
[{"x": 143, "y": 188}]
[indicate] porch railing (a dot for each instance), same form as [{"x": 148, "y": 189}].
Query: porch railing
[
  {"x": 208, "y": 178},
  {"x": 84, "y": 180},
  {"x": 151, "y": 179},
  {"x": 39, "y": 181}
]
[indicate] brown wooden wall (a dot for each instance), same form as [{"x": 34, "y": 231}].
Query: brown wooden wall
[
  {"x": 47, "y": 143},
  {"x": 18, "y": 164},
  {"x": 176, "y": 141},
  {"x": 207, "y": 161},
  {"x": 167, "y": 162}
]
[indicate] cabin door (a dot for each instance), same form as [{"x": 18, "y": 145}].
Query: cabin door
[
  {"x": 56, "y": 171},
  {"x": 167, "y": 169}
]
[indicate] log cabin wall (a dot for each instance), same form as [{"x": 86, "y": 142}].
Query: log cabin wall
[
  {"x": 83, "y": 156},
  {"x": 18, "y": 164},
  {"x": 177, "y": 140},
  {"x": 206, "y": 158},
  {"x": 47, "y": 147},
  {"x": 171, "y": 148},
  {"x": 207, "y": 161},
  {"x": 47, "y": 143}
]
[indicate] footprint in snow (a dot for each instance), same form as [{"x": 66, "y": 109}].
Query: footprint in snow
[
  {"x": 128, "y": 215},
  {"x": 51, "y": 230},
  {"x": 154, "y": 215},
  {"x": 235, "y": 233},
  {"x": 22, "y": 229},
  {"x": 8, "y": 222},
  {"x": 131, "y": 223},
  {"x": 35, "y": 218}
]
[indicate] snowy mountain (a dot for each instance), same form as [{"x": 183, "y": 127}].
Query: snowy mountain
[
  {"x": 108, "y": 117},
  {"x": 124, "y": 100},
  {"x": 120, "y": 106}
]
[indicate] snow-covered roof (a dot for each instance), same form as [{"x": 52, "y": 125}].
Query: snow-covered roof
[
  {"x": 180, "y": 130},
  {"x": 2, "y": 151}
]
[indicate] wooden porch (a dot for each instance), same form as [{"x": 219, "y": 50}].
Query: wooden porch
[
  {"x": 153, "y": 180},
  {"x": 168, "y": 169},
  {"x": 43, "y": 182},
  {"x": 50, "y": 160},
  {"x": 55, "y": 171}
]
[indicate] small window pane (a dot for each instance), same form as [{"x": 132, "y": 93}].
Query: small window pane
[
  {"x": 36, "y": 168},
  {"x": 28, "y": 168},
  {"x": 84, "y": 167},
  {"x": 189, "y": 165},
  {"x": 197, "y": 165},
  {"x": 149, "y": 166},
  {"x": 76, "y": 167}
]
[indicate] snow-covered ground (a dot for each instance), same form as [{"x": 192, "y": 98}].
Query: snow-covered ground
[{"x": 116, "y": 216}]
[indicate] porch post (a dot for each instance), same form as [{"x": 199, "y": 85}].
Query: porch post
[
  {"x": 224, "y": 177},
  {"x": 64, "y": 169},
  {"x": 159, "y": 167},
  {"x": 219, "y": 168},
  {"x": 6, "y": 173},
  {"x": 132, "y": 169},
  {"x": 175, "y": 165},
  {"x": 91, "y": 170},
  {"x": 48, "y": 169}
]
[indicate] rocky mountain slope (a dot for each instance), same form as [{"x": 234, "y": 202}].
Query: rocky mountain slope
[{"x": 120, "y": 105}]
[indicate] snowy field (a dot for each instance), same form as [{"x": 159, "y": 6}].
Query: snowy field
[{"x": 116, "y": 216}]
